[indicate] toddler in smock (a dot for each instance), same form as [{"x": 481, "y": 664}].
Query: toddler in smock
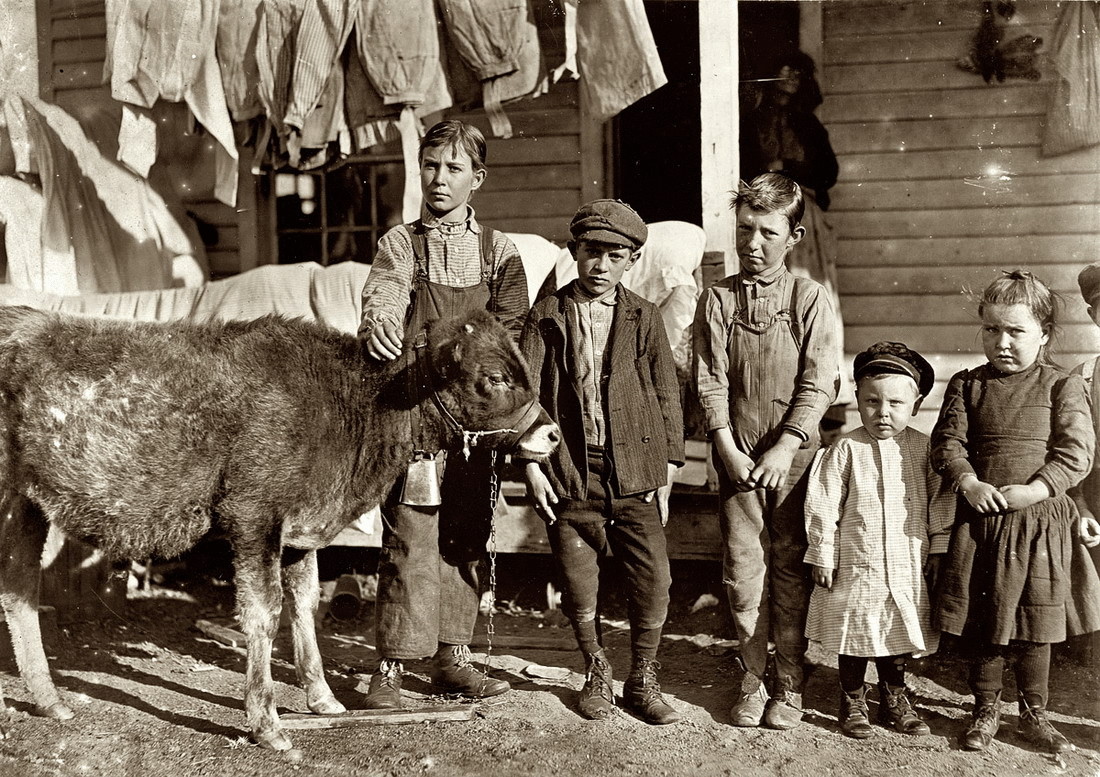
[{"x": 875, "y": 509}]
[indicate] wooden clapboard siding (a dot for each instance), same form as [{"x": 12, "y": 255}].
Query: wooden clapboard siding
[{"x": 942, "y": 182}]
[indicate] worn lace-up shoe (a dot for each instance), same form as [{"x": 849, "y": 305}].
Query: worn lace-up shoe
[
  {"x": 384, "y": 692},
  {"x": 854, "y": 718},
  {"x": 642, "y": 694},
  {"x": 749, "y": 709},
  {"x": 895, "y": 711},
  {"x": 784, "y": 711},
  {"x": 983, "y": 726},
  {"x": 596, "y": 700},
  {"x": 454, "y": 673},
  {"x": 1036, "y": 728}
]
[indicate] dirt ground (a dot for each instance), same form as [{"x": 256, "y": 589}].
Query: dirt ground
[{"x": 155, "y": 697}]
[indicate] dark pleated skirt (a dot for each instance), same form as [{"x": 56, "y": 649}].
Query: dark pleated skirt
[{"x": 1022, "y": 575}]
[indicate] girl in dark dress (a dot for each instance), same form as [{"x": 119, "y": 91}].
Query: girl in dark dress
[{"x": 1013, "y": 435}]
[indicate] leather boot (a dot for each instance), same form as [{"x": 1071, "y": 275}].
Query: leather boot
[
  {"x": 749, "y": 709},
  {"x": 784, "y": 711},
  {"x": 596, "y": 700},
  {"x": 854, "y": 717},
  {"x": 453, "y": 673},
  {"x": 984, "y": 724},
  {"x": 385, "y": 687},
  {"x": 896, "y": 711},
  {"x": 642, "y": 694},
  {"x": 1036, "y": 727}
]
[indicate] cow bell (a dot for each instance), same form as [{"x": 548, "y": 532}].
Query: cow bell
[{"x": 421, "y": 486}]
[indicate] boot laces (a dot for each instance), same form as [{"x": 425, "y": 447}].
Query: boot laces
[
  {"x": 1038, "y": 719},
  {"x": 389, "y": 670},
  {"x": 985, "y": 716},
  {"x": 596, "y": 674},
  {"x": 857, "y": 708},
  {"x": 462, "y": 656},
  {"x": 898, "y": 701}
]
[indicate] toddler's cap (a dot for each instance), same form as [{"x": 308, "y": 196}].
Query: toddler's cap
[
  {"x": 609, "y": 221},
  {"x": 898, "y": 359},
  {"x": 1089, "y": 281}
]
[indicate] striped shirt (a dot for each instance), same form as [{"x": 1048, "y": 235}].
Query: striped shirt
[
  {"x": 454, "y": 259},
  {"x": 595, "y": 316}
]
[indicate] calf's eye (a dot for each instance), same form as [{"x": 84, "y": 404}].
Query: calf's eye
[{"x": 497, "y": 378}]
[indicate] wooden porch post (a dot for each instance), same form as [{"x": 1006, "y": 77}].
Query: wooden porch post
[{"x": 719, "y": 112}]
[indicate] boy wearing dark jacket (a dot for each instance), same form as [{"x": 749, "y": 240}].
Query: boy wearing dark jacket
[{"x": 603, "y": 369}]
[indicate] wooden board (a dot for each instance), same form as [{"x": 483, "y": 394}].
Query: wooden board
[
  {"x": 1003, "y": 251},
  {"x": 436, "y": 714},
  {"x": 1061, "y": 189},
  {"x": 1008, "y": 99},
  {"x": 898, "y": 135}
]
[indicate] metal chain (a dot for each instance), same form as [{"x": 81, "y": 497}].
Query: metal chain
[{"x": 494, "y": 494}]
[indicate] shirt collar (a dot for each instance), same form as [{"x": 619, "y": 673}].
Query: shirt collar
[
  {"x": 450, "y": 227},
  {"x": 766, "y": 279},
  {"x": 609, "y": 297}
]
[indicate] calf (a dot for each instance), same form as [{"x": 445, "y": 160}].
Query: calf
[{"x": 140, "y": 437}]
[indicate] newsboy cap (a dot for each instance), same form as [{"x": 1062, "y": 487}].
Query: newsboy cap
[
  {"x": 887, "y": 358},
  {"x": 1089, "y": 281},
  {"x": 609, "y": 221}
]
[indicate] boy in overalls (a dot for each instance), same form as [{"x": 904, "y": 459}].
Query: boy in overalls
[
  {"x": 444, "y": 264},
  {"x": 766, "y": 370}
]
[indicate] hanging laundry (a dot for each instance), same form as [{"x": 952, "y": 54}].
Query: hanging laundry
[
  {"x": 498, "y": 41},
  {"x": 1073, "y": 119},
  {"x": 398, "y": 43},
  {"x": 322, "y": 33},
  {"x": 276, "y": 38},
  {"x": 616, "y": 55},
  {"x": 238, "y": 28},
  {"x": 29, "y": 267},
  {"x": 569, "y": 64},
  {"x": 103, "y": 228},
  {"x": 159, "y": 50}
]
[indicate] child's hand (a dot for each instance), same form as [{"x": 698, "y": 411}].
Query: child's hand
[
  {"x": 1089, "y": 530},
  {"x": 773, "y": 467},
  {"x": 823, "y": 576},
  {"x": 932, "y": 569},
  {"x": 1019, "y": 497},
  {"x": 540, "y": 491},
  {"x": 386, "y": 341},
  {"x": 738, "y": 465},
  {"x": 983, "y": 497},
  {"x": 663, "y": 494}
]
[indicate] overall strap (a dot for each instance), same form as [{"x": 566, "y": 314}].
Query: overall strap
[
  {"x": 486, "y": 245},
  {"x": 419, "y": 242},
  {"x": 1094, "y": 385}
]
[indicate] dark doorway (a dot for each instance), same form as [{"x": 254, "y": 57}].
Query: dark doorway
[{"x": 656, "y": 140}]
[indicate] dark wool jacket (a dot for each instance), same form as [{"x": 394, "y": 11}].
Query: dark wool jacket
[{"x": 645, "y": 422}]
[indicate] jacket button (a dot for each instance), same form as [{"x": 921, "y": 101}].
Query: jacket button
[{"x": 646, "y": 438}]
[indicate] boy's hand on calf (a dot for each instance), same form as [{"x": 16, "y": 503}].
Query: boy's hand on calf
[
  {"x": 385, "y": 342},
  {"x": 541, "y": 492},
  {"x": 823, "y": 576}
]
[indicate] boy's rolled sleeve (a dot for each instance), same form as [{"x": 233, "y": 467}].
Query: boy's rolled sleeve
[
  {"x": 388, "y": 288},
  {"x": 826, "y": 493},
  {"x": 819, "y": 379},
  {"x": 711, "y": 360}
]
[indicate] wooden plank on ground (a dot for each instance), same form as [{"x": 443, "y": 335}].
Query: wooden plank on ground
[
  {"x": 436, "y": 714},
  {"x": 222, "y": 634}
]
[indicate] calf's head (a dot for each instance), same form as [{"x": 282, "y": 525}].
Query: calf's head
[{"x": 482, "y": 387}]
